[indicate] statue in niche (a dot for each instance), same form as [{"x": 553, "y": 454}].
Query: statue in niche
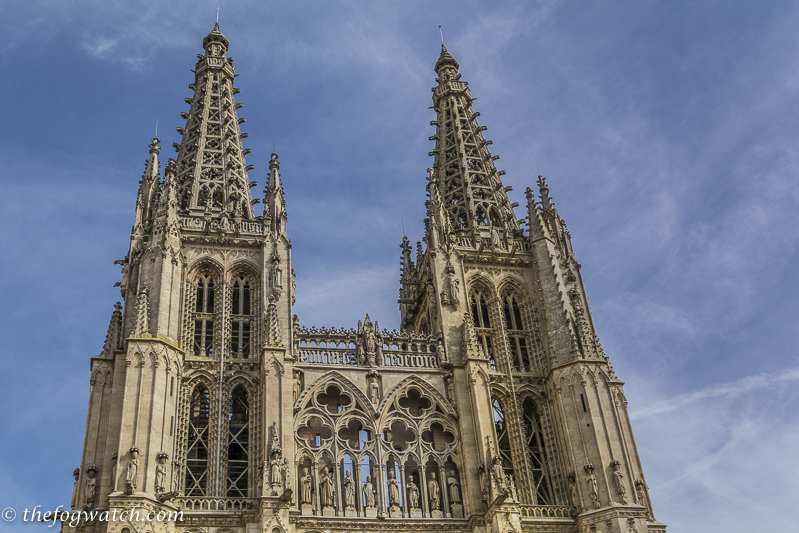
[
  {"x": 495, "y": 241},
  {"x": 434, "y": 493},
  {"x": 374, "y": 391},
  {"x": 454, "y": 488},
  {"x": 440, "y": 355},
  {"x": 306, "y": 487},
  {"x": 76, "y": 475},
  {"x": 575, "y": 497},
  {"x": 640, "y": 487},
  {"x": 91, "y": 485},
  {"x": 274, "y": 468},
  {"x": 413, "y": 494},
  {"x": 297, "y": 386},
  {"x": 369, "y": 492},
  {"x": 483, "y": 484},
  {"x": 393, "y": 490},
  {"x": 327, "y": 488},
  {"x": 133, "y": 467},
  {"x": 497, "y": 471},
  {"x": 369, "y": 337},
  {"x": 620, "y": 485},
  {"x": 349, "y": 490},
  {"x": 592, "y": 485},
  {"x": 224, "y": 223},
  {"x": 451, "y": 391},
  {"x": 160, "y": 474}
]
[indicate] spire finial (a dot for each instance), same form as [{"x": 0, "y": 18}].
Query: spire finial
[
  {"x": 156, "y": 129},
  {"x": 217, "y": 14},
  {"x": 441, "y": 32}
]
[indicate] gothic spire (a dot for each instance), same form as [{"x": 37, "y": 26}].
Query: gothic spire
[
  {"x": 464, "y": 177},
  {"x": 211, "y": 170}
]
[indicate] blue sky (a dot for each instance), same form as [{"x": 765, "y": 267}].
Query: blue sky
[{"x": 668, "y": 132}]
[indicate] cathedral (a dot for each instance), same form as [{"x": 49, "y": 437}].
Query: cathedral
[{"x": 493, "y": 408}]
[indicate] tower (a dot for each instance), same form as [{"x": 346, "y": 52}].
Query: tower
[{"x": 493, "y": 408}]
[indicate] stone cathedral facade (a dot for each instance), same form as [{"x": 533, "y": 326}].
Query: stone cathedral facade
[{"x": 493, "y": 409}]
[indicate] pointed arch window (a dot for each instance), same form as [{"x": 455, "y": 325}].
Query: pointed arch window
[
  {"x": 517, "y": 339},
  {"x": 537, "y": 455},
  {"x": 204, "y": 317},
  {"x": 238, "y": 455},
  {"x": 482, "y": 324},
  {"x": 503, "y": 438},
  {"x": 241, "y": 319},
  {"x": 197, "y": 443}
]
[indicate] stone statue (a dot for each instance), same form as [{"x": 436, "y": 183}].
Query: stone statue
[
  {"x": 297, "y": 386},
  {"x": 592, "y": 485},
  {"x": 76, "y": 475},
  {"x": 575, "y": 497},
  {"x": 413, "y": 494},
  {"x": 454, "y": 488},
  {"x": 349, "y": 490},
  {"x": 620, "y": 485},
  {"x": 434, "y": 493},
  {"x": 306, "y": 487},
  {"x": 160, "y": 474},
  {"x": 483, "y": 484},
  {"x": 374, "y": 391},
  {"x": 327, "y": 488},
  {"x": 133, "y": 467},
  {"x": 369, "y": 492},
  {"x": 274, "y": 468},
  {"x": 440, "y": 355},
  {"x": 642, "y": 499},
  {"x": 393, "y": 490},
  {"x": 370, "y": 341},
  {"x": 91, "y": 484},
  {"x": 498, "y": 471},
  {"x": 495, "y": 242}
]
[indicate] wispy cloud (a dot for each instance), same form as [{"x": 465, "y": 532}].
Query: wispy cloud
[{"x": 731, "y": 389}]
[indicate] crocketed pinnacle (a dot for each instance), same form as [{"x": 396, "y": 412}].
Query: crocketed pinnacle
[
  {"x": 211, "y": 169},
  {"x": 464, "y": 181}
]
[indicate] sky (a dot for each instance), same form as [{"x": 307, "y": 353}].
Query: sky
[{"x": 667, "y": 130}]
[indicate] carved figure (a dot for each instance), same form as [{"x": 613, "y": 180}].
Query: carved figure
[
  {"x": 434, "y": 493},
  {"x": 413, "y": 494},
  {"x": 91, "y": 484},
  {"x": 76, "y": 475},
  {"x": 274, "y": 468},
  {"x": 369, "y": 492},
  {"x": 133, "y": 467},
  {"x": 349, "y": 490},
  {"x": 483, "y": 485},
  {"x": 374, "y": 391},
  {"x": 642, "y": 499},
  {"x": 498, "y": 471},
  {"x": 442, "y": 358},
  {"x": 575, "y": 497},
  {"x": 620, "y": 485},
  {"x": 454, "y": 488},
  {"x": 327, "y": 488},
  {"x": 297, "y": 386},
  {"x": 495, "y": 242},
  {"x": 306, "y": 487},
  {"x": 393, "y": 490},
  {"x": 592, "y": 485},
  {"x": 160, "y": 474}
]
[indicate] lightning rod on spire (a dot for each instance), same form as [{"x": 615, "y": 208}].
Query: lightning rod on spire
[
  {"x": 217, "y": 14},
  {"x": 440, "y": 31},
  {"x": 156, "y": 128}
]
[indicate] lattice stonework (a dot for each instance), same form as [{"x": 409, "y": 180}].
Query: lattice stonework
[{"x": 469, "y": 183}]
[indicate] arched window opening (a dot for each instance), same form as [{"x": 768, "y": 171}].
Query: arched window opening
[
  {"x": 197, "y": 443},
  {"x": 503, "y": 438},
  {"x": 516, "y": 336},
  {"x": 537, "y": 454},
  {"x": 238, "y": 456},
  {"x": 482, "y": 325},
  {"x": 241, "y": 319},
  {"x": 204, "y": 318}
]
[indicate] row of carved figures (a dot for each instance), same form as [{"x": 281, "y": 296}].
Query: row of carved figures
[
  {"x": 327, "y": 491},
  {"x": 131, "y": 477},
  {"x": 621, "y": 488}
]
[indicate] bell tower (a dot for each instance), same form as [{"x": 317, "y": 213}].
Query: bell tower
[{"x": 550, "y": 421}]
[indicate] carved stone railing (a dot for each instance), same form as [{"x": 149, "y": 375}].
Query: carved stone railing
[
  {"x": 215, "y": 504},
  {"x": 546, "y": 511},
  {"x": 339, "y": 347},
  {"x": 198, "y": 223}
]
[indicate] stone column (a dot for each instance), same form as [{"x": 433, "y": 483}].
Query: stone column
[{"x": 444, "y": 490}]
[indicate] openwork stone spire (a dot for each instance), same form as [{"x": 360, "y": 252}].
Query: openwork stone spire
[
  {"x": 211, "y": 171},
  {"x": 464, "y": 179}
]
